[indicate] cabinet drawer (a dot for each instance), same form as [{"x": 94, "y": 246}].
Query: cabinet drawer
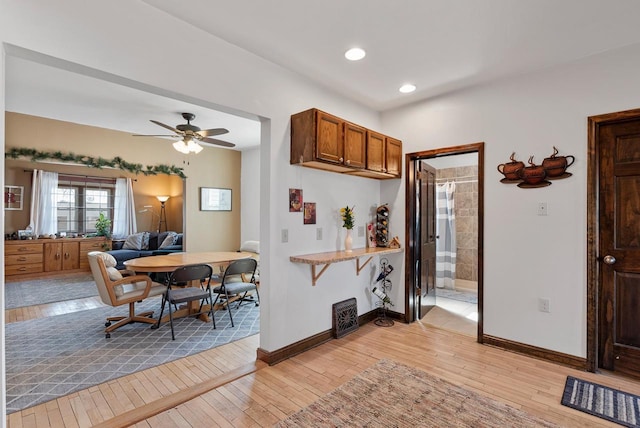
[
  {"x": 88, "y": 246},
  {"x": 21, "y": 259},
  {"x": 23, "y": 248},
  {"x": 22, "y": 269}
]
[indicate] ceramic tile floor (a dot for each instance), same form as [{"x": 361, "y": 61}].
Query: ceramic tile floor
[{"x": 454, "y": 315}]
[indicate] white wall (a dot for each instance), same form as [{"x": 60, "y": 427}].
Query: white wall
[
  {"x": 250, "y": 198},
  {"x": 528, "y": 256}
]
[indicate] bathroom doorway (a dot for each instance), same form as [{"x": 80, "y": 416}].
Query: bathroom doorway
[{"x": 446, "y": 293}]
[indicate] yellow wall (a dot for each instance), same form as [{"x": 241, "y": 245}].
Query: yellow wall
[{"x": 212, "y": 167}]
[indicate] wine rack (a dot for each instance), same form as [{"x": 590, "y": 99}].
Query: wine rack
[
  {"x": 382, "y": 290},
  {"x": 382, "y": 226}
]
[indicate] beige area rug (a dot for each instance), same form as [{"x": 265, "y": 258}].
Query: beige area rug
[{"x": 390, "y": 394}]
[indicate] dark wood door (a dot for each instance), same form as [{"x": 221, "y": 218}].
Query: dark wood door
[
  {"x": 619, "y": 245},
  {"x": 427, "y": 236}
]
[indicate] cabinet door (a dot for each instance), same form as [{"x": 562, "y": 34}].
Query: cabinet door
[
  {"x": 329, "y": 138},
  {"x": 394, "y": 156},
  {"x": 375, "y": 151},
  {"x": 52, "y": 256},
  {"x": 70, "y": 255},
  {"x": 355, "y": 145}
]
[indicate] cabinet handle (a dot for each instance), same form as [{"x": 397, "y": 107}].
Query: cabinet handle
[
  {"x": 66, "y": 255},
  {"x": 384, "y": 169},
  {"x": 348, "y": 162},
  {"x": 57, "y": 256},
  {"x": 341, "y": 160},
  {"x": 22, "y": 268},
  {"x": 23, "y": 249},
  {"x": 22, "y": 259}
]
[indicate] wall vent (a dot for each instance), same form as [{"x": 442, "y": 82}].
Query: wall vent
[{"x": 345, "y": 317}]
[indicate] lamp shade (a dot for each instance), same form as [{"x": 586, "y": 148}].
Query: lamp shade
[{"x": 163, "y": 198}]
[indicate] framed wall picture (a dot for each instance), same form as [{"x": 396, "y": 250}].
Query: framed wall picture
[
  {"x": 295, "y": 200},
  {"x": 215, "y": 199},
  {"x": 309, "y": 213},
  {"x": 13, "y": 196}
]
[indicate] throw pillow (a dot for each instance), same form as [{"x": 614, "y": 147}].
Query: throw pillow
[
  {"x": 170, "y": 239},
  {"x": 137, "y": 241},
  {"x": 114, "y": 274},
  {"x": 251, "y": 246}
]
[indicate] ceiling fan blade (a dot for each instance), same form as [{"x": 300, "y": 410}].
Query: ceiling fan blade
[
  {"x": 170, "y": 128},
  {"x": 217, "y": 142},
  {"x": 212, "y": 132},
  {"x": 149, "y": 135}
]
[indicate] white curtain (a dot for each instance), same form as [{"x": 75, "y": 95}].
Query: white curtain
[
  {"x": 44, "y": 206},
  {"x": 446, "y": 233},
  {"x": 124, "y": 211}
]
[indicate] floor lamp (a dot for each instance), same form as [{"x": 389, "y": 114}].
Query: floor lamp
[{"x": 163, "y": 213}]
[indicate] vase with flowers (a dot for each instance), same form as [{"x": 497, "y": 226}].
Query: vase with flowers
[{"x": 348, "y": 218}]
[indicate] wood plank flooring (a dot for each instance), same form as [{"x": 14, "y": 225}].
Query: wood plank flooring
[{"x": 265, "y": 395}]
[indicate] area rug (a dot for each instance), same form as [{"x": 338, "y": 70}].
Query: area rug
[
  {"x": 48, "y": 290},
  {"x": 390, "y": 394},
  {"x": 55, "y": 356},
  {"x": 599, "y": 400},
  {"x": 463, "y": 296}
]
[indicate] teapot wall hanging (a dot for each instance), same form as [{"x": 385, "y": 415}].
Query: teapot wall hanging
[{"x": 553, "y": 167}]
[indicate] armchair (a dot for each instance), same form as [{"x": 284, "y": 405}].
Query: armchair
[{"x": 116, "y": 290}]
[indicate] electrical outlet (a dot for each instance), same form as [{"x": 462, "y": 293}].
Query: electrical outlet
[
  {"x": 544, "y": 305},
  {"x": 285, "y": 235},
  {"x": 319, "y": 234},
  {"x": 542, "y": 208},
  {"x": 360, "y": 230}
]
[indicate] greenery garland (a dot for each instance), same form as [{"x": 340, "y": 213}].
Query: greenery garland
[{"x": 95, "y": 162}]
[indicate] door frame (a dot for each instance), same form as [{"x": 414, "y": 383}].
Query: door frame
[
  {"x": 410, "y": 218},
  {"x": 593, "y": 235}
]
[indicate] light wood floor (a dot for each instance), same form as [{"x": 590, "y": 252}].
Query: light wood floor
[{"x": 225, "y": 387}]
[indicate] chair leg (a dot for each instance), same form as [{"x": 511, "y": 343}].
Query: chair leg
[
  {"x": 173, "y": 336},
  {"x": 211, "y": 311},
  {"x": 164, "y": 301}
]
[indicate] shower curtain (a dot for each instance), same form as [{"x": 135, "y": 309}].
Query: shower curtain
[{"x": 446, "y": 236}]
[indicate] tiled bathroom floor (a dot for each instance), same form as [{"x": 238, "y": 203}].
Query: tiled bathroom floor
[{"x": 454, "y": 315}]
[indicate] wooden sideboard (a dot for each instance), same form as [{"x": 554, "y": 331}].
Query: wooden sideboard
[{"x": 42, "y": 257}]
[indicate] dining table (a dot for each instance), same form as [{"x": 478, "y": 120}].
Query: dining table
[{"x": 167, "y": 263}]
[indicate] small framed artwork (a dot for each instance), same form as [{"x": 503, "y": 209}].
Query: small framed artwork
[
  {"x": 214, "y": 199},
  {"x": 295, "y": 200},
  {"x": 13, "y": 196},
  {"x": 309, "y": 213}
]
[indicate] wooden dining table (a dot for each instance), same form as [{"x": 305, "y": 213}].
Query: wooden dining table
[{"x": 169, "y": 262}]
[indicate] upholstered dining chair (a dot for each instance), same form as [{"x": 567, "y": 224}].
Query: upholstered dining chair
[
  {"x": 237, "y": 281},
  {"x": 179, "y": 291},
  {"x": 116, "y": 290}
]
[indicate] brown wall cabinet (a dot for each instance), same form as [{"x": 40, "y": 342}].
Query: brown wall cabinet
[
  {"x": 323, "y": 141},
  {"x": 40, "y": 257}
]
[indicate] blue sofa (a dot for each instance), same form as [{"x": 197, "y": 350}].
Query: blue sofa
[{"x": 153, "y": 248}]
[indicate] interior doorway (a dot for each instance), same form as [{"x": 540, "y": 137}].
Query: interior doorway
[{"x": 445, "y": 238}]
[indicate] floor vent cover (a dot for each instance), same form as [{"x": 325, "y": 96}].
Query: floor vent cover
[{"x": 345, "y": 317}]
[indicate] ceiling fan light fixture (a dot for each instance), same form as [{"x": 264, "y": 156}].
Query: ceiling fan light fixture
[
  {"x": 194, "y": 147},
  {"x": 355, "y": 54},
  {"x": 181, "y": 147}
]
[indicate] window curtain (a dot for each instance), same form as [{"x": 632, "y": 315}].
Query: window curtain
[
  {"x": 44, "y": 206},
  {"x": 124, "y": 212},
  {"x": 446, "y": 236}
]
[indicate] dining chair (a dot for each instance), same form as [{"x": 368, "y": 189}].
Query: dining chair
[
  {"x": 179, "y": 291},
  {"x": 237, "y": 281},
  {"x": 116, "y": 290}
]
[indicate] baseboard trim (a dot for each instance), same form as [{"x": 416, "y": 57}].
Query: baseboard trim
[
  {"x": 536, "y": 352},
  {"x": 274, "y": 357}
]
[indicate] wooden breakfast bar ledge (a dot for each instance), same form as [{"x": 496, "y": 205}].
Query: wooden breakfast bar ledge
[{"x": 340, "y": 256}]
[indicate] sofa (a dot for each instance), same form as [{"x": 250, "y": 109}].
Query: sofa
[{"x": 144, "y": 244}]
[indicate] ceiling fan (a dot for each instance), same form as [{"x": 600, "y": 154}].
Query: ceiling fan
[{"x": 191, "y": 135}]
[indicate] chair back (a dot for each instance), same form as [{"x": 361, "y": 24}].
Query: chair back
[
  {"x": 240, "y": 268},
  {"x": 100, "y": 274},
  {"x": 201, "y": 272}
]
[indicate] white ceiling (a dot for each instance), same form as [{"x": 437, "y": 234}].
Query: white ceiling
[{"x": 439, "y": 45}]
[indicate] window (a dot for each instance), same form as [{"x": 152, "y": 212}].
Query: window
[{"x": 80, "y": 200}]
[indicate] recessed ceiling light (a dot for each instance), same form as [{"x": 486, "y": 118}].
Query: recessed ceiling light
[
  {"x": 407, "y": 88},
  {"x": 355, "y": 54}
]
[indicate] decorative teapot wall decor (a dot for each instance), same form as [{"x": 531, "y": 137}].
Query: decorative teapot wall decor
[
  {"x": 511, "y": 170},
  {"x": 556, "y": 166},
  {"x": 553, "y": 167}
]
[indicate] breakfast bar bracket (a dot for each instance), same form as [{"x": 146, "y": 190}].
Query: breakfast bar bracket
[{"x": 326, "y": 259}]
